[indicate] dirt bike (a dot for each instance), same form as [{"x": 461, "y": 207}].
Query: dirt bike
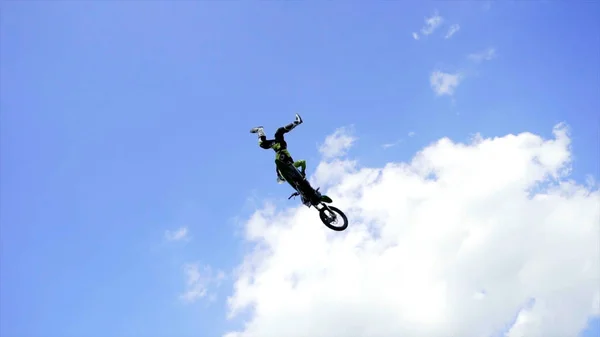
[{"x": 310, "y": 197}]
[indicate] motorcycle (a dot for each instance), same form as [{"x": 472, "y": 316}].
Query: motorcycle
[{"x": 331, "y": 216}]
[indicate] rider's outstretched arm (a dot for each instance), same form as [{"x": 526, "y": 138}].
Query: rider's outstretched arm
[{"x": 279, "y": 177}]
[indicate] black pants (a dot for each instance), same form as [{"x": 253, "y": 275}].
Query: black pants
[{"x": 268, "y": 143}]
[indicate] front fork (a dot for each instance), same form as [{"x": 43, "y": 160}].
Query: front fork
[{"x": 324, "y": 206}]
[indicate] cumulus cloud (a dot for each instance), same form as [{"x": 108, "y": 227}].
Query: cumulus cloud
[
  {"x": 444, "y": 83},
  {"x": 199, "y": 280},
  {"x": 457, "y": 242},
  {"x": 431, "y": 24},
  {"x": 484, "y": 55},
  {"x": 412, "y": 134},
  {"x": 338, "y": 143},
  {"x": 179, "y": 234},
  {"x": 452, "y": 30}
]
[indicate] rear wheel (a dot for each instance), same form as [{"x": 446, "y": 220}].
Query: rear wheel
[{"x": 333, "y": 218}]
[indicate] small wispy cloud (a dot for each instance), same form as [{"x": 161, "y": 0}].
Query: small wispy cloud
[
  {"x": 484, "y": 55},
  {"x": 444, "y": 83},
  {"x": 180, "y": 234},
  {"x": 431, "y": 24},
  {"x": 199, "y": 280},
  {"x": 196, "y": 285},
  {"x": 452, "y": 30},
  {"x": 388, "y": 145}
]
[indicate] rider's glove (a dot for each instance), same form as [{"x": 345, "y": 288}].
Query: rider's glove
[{"x": 280, "y": 180}]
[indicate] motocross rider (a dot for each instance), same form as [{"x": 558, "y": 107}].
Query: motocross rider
[{"x": 282, "y": 155}]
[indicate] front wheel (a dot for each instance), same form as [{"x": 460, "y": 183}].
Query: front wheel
[{"x": 333, "y": 218}]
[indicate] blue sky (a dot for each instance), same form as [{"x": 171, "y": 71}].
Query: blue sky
[{"x": 121, "y": 120}]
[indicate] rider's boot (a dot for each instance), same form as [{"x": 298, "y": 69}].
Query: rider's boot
[
  {"x": 259, "y": 130},
  {"x": 295, "y": 123}
]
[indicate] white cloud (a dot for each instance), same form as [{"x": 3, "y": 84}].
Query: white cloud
[
  {"x": 444, "y": 83},
  {"x": 452, "y": 30},
  {"x": 198, "y": 281},
  {"x": 196, "y": 285},
  {"x": 484, "y": 55},
  {"x": 432, "y": 23},
  {"x": 337, "y": 144},
  {"x": 177, "y": 235},
  {"x": 388, "y": 145},
  {"x": 453, "y": 243}
]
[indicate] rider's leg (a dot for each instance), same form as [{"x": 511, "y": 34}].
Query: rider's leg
[
  {"x": 285, "y": 129},
  {"x": 265, "y": 143},
  {"x": 262, "y": 139}
]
